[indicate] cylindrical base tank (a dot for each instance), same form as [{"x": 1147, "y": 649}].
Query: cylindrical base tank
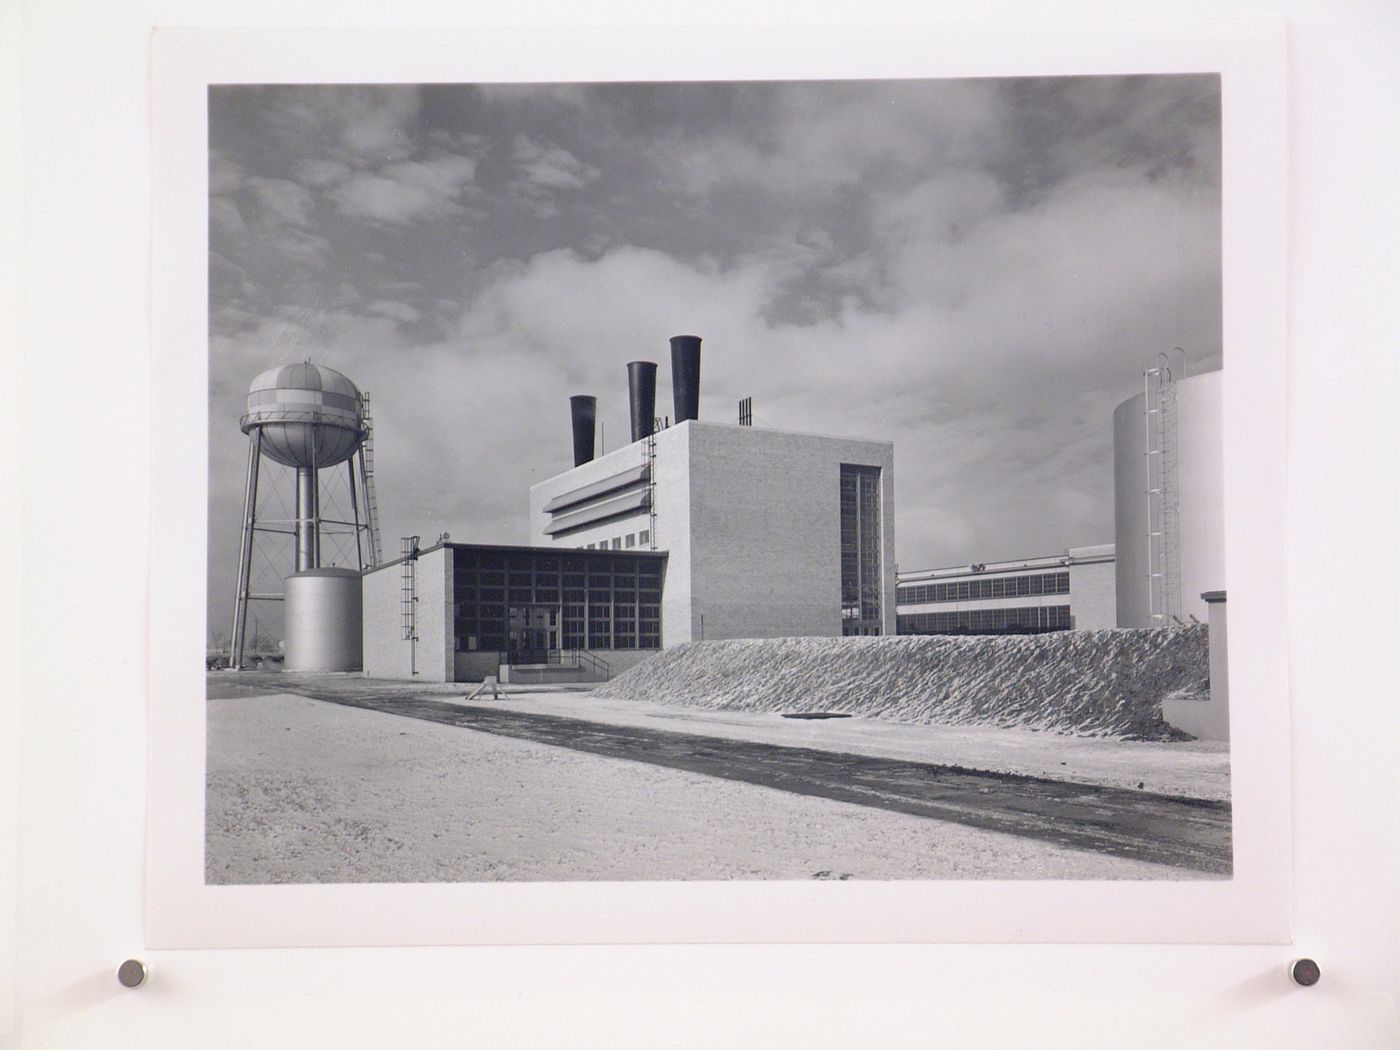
[
  {"x": 324, "y": 614},
  {"x": 1200, "y": 500}
]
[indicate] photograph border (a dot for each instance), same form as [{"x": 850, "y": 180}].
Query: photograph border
[{"x": 1253, "y": 907}]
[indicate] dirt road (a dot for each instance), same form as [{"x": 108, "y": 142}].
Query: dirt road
[{"x": 1139, "y": 825}]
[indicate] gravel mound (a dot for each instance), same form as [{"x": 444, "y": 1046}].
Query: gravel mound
[{"x": 1085, "y": 683}]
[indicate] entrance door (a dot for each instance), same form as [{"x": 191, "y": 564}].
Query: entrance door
[
  {"x": 534, "y": 631},
  {"x": 543, "y": 627}
]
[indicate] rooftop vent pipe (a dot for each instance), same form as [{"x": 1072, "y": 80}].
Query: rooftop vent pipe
[
  {"x": 641, "y": 390},
  {"x": 584, "y": 410},
  {"x": 685, "y": 376}
]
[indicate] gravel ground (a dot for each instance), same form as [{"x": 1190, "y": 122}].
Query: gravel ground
[
  {"x": 1083, "y": 683},
  {"x": 304, "y": 791}
]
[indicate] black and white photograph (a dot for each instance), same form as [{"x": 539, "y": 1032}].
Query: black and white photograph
[
  {"x": 794, "y": 480},
  {"x": 720, "y": 525}
]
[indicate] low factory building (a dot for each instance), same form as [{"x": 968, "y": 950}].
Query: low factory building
[
  {"x": 1070, "y": 591},
  {"x": 456, "y": 612}
]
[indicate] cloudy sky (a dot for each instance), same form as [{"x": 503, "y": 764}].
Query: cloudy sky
[{"x": 978, "y": 270}]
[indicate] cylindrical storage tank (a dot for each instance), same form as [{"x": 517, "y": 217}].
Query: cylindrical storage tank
[
  {"x": 685, "y": 376},
  {"x": 324, "y": 613},
  {"x": 641, "y": 397},
  {"x": 583, "y": 413},
  {"x": 1200, "y": 500}
]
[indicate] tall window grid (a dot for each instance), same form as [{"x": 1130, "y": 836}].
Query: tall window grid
[
  {"x": 861, "y": 578},
  {"x": 598, "y": 601}
]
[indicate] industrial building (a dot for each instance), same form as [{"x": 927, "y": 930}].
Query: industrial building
[
  {"x": 694, "y": 530},
  {"x": 1070, "y": 591},
  {"x": 702, "y": 530},
  {"x": 455, "y": 612},
  {"x": 1169, "y": 526}
]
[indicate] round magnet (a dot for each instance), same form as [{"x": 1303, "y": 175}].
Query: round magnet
[
  {"x": 1305, "y": 972},
  {"x": 132, "y": 973}
]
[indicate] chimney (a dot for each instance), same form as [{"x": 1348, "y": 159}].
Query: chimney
[
  {"x": 584, "y": 410},
  {"x": 685, "y": 376},
  {"x": 641, "y": 391}
]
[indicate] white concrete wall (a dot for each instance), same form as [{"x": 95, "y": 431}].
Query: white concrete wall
[
  {"x": 475, "y": 666},
  {"x": 1093, "y": 595},
  {"x": 1201, "y": 489},
  {"x": 1208, "y": 719},
  {"x": 387, "y": 653},
  {"x": 766, "y": 530},
  {"x": 436, "y": 662},
  {"x": 675, "y": 516}
]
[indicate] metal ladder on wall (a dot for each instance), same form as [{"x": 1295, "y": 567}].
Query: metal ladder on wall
[
  {"x": 408, "y": 599},
  {"x": 1163, "y": 498},
  {"x": 651, "y": 487},
  {"x": 376, "y": 554}
]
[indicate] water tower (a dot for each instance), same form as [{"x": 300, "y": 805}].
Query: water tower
[{"x": 310, "y": 419}]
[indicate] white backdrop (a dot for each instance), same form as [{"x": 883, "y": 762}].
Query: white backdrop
[{"x": 76, "y": 731}]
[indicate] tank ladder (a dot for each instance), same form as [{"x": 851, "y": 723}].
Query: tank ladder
[
  {"x": 371, "y": 526},
  {"x": 1163, "y": 498},
  {"x": 408, "y": 597}
]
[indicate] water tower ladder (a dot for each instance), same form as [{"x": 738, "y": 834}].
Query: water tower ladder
[{"x": 376, "y": 554}]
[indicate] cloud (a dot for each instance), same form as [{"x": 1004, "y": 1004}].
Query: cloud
[
  {"x": 283, "y": 201},
  {"x": 225, "y": 176},
  {"x": 225, "y": 216},
  {"x": 301, "y": 248},
  {"x": 319, "y": 172},
  {"x": 396, "y": 310},
  {"x": 358, "y": 125},
  {"x": 542, "y": 172},
  {"x": 407, "y": 192},
  {"x": 551, "y": 167},
  {"x": 790, "y": 140}
]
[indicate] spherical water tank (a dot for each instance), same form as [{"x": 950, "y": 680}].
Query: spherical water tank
[
  {"x": 1200, "y": 499},
  {"x": 324, "y": 619},
  {"x": 309, "y": 415}
]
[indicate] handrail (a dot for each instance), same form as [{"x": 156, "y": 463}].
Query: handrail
[
  {"x": 562, "y": 657},
  {"x": 594, "y": 661}
]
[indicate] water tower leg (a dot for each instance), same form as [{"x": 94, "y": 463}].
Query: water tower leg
[{"x": 245, "y": 552}]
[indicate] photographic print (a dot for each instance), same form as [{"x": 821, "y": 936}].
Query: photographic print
[{"x": 718, "y": 480}]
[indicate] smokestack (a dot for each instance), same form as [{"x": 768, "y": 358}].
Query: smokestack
[
  {"x": 685, "y": 376},
  {"x": 641, "y": 391},
  {"x": 584, "y": 410}
]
